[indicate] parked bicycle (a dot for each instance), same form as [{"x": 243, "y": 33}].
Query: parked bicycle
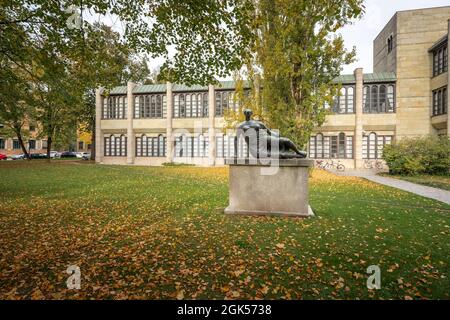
[
  {"x": 331, "y": 164},
  {"x": 373, "y": 164}
]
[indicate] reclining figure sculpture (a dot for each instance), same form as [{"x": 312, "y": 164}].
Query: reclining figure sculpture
[{"x": 265, "y": 143}]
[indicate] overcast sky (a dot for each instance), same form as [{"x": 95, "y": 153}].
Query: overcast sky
[
  {"x": 378, "y": 12},
  {"x": 360, "y": 34}
]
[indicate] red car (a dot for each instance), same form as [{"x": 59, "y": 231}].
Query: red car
[{"x": 3, "y": 156}]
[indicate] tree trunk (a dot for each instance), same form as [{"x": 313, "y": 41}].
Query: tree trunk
[
  {"x": 49, "y": 147},
  {"x": 22, "y": 144},
  {"x": 93, "y": 146}
]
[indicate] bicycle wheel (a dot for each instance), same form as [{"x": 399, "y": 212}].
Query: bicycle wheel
[{"x": 340, "y": 167}]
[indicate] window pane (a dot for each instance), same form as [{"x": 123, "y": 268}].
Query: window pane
[
  {"x": 350, "y": 100},
  {"x": 382, "y": 99}
]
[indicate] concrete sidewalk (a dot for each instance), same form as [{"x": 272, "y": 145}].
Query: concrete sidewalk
[{"x": 424, "y": 191}]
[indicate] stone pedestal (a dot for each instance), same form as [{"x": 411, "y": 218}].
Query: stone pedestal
[{"x": 269, "y": 189}]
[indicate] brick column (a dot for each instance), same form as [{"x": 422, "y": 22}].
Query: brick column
[
  {"x": 98, "y": 127},
  {"x": 130, "y": 130},
  {"x": 169, "y": 135},
  {"x": 358, "y": 117},
  {"x": 211, "y": 125}
]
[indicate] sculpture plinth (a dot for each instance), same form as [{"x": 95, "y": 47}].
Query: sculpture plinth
[{"x": 260, "y": 187}]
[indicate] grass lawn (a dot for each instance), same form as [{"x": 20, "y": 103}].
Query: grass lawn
[
  {"x": 442, "y": 182},
  {"x": 142, "y": 232}
]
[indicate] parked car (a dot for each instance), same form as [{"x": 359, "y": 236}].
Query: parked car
[
  {"x": 86, "y": 156},
  {"x": 38, "y": 156},
  {"x": 3, "y": 156},
  {"x": 68, "y": 154},
  {"x": 54, "y": 154},
  {"x": 17, "y": 157}
]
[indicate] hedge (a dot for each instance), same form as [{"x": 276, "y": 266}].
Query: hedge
[{"x": 422, "y": 155}]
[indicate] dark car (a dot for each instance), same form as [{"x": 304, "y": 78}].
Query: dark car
[
  {"x": 68, "y": 154},
  {"x": 38, "y": 156},
  {"x": 3, "y": 156}
]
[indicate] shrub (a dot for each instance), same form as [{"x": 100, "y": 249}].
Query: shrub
[{"x": 424, "y": 155}]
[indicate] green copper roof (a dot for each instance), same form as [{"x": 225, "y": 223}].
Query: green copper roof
[
  {"x": 150, "y": 88},
  {"x": 368, "y": 78},
  {"x": 230, "y": 85},
  {"x": 119, "y": 90}
]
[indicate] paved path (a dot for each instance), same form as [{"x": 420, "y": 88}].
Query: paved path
[{"x": 424, "y": 191}]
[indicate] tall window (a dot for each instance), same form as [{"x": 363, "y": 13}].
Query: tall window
[
  {"x": 440, "y": 60},
  {"x": 32, "y": 144},
  {"x": 440, "y": 103},
  {"x": 191, "y": 147},
  {"x": 331, "y": 147},
  {"x": 150, "y": 106},
  {"x": 190, "y": 105},
  {"x": 151, "y": 146},
  {"x": 2, "y": 143},
  {"x": 16, "y": 144},
  {"x": 225, "y": 100},
  {"x": 115, "y": 146},
  {"x": 373, "y": 144},
  {"x": 390, "y": 44},
  {"x": 115, "y": 107},
  {"x": 345, "y": 103},
  {"x": 379, "y": 98}
]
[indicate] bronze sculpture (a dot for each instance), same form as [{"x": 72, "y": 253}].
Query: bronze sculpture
[{"x": 262, "y": 142}]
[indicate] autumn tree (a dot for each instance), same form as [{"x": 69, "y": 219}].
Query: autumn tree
[{"x": 300, "y": 52}]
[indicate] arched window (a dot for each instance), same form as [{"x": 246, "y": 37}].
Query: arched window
[
  {"x": 105, "y": 108},
  {"x": 342, "y": 100},
  {"x": 341, "y": 146},
  {"x": 373, "y": 145},
  {"x": 117, "y": 107},
  {"x": 107, "y": 146},
  {"x": 159, "y": 106},
  {"x": 201, "y": 146},
  {"x": 188, "y": 106},
  {"x": 141, "y": 107},
  {"x": 366, "y": 99},
  {"x": 374, "y": 99},
  {"x": 176, "y": 106},
  {"x": 161, "y": 146},
  {"x": 444, "y": 101},
  {"x": 182, "y": 106},
  {"x": 219, "y": 146},
  {"x": 147, "y": 107},
  {"x": 110, "y": 108},
  {"x": 390, "y": 99},
  {"x": 164, "y": 106},
  {"x": 382, "y": 100},
  {"x": 153, "y": 106},
  {"x": 145, "y": 145},
  {"x": 205, "y": 105},
  {"x": 219, "y": 108},
  {"x": 319, "y": 145},
  {"x": 225, "y": 102},
  {"x": 371, "y": 148},
  {"x": 120, "y": 108},
  {"x": 123, "y": 145},
  {"x": 350, "y": 100}
]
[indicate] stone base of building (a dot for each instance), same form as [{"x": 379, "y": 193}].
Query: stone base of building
[{"x": 262, "y": 187}]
